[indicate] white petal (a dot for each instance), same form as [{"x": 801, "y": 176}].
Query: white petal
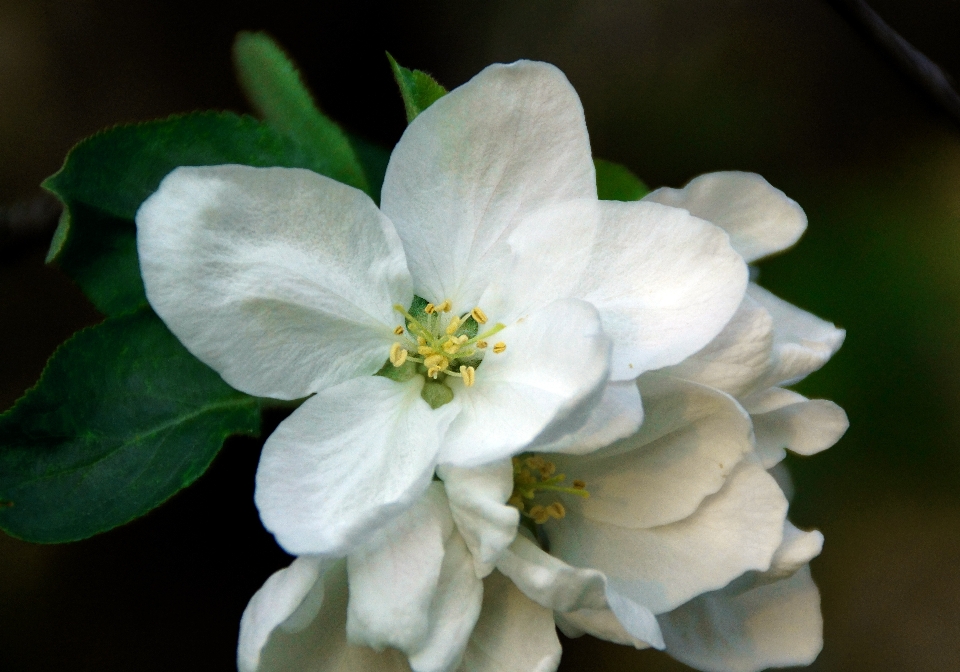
[
  {"x": 413, "y": 588},
  {"x": 291, "y": 597},
  {"x": 617, "y": 415},
  {"x": 317, "y": 645},
  {"x": 693, "y": 438},
  {"x": 734, "y": 531},
  {"x": 760, "y": 219},
  {"x": 280, "y": 279},
  {"x": 785, "y": 419},
  {"x": 739, "y": 358},
  {"x": 802, "y": 342},
  {"x": 601, "y": 623},
  {"x": 665, "y": 283},
  {"x": 514, "y": 634},
  {"x": 346, "y": 462},
  {"x": 773, "y": 625},
  {"x": 475, "y": 163},
  {"x": 796, "y": 550},
  {"x": 477, "y": 501},
  {"x": 550, "y": 581},
  {"x": 556, "y": 362}
]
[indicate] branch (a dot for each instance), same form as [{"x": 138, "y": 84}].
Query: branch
[
  {"x": 28, "y": 222},
  {"x": 924, "y": 72}
]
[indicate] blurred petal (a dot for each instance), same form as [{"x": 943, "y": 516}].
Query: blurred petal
[
  {"x": 319, "y": 644},
  {"x": 601, "y": 623},
  {"x": 693, "y": 438},
  {"x": 785, "y": 419},
  {"x": 290, "y": 598},
  {"x": 802, "y": 342},
  {"x": 665, "y": 283},
  {"x": 514, "y": 633},
  {"x": 739, "y": 358},
  {"x": 772, "y": 625},
  {"x": 413, "y": 588},
  {"x": 346, "y": 462},
  {"x": 760, "y": 219},
  {"x": 475, "y": 163},
  {"x": 556, "y": 362},
  {"x": 734, "y": 531},
  {"x": 477, "y": 501},
  {"x": 283, "y": 281}
]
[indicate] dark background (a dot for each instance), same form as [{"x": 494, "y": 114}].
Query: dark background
[{"x": 671, "y": 88}]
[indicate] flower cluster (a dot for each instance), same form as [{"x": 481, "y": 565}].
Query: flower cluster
[{"x": 473, "y": 465}]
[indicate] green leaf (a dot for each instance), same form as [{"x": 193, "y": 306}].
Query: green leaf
[
  {"x": 272, "y": 84},
  {"x": 374, "y": 160},
  {"x": 106, "y": 177},
  {"x": 122, "y": 418},
  {"x": 617, "y": 183},
  {"x": 418, "y": 89}
]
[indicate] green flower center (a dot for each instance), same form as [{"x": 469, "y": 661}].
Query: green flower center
[{"x": 438, "y": 344}]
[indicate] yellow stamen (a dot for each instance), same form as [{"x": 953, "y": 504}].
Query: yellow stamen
[
  {"x": 539, "y": 514},
  {"x": 398, "y": 331},
  {"x": 481, "y": 344},
  {"x": 579, "y": 485},
  {"x": 451, "y": 347},
  {"x": 516, "y": 502},
  {"x": 469, "y": 375},
  {"x": 445, "y": 306},
  {"x": 425, "y": 350},
  {"x": 479, "y": 316},
  {"x": 434, "y": 371},
  {"x": 499, "y": 347},
  {"x": 429, "y": 308},
  {"x": 556, "y": 510},
  {"x": 436, "y": 361},
  {"x": 398, "y": 355},
  {"x": 453, "y": 326},
  {"x": 421, "y": 341},
  {"x": 462, "y": 338}
]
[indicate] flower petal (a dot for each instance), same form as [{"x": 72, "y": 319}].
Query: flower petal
[
  {"x": 475, "y": 163},
  {"x": 514, "y": 633},
  {"x": 734, "y": 531},
  {"x": 281, "y": 280},
  {"x": 566, "y": 589},
  {"x": 477, "y": 501},
  {"x": 556, "y": 361},
  {"x": 772, "y": 625},
  {"x": 413, "y": 588},
  {"x": 315, "y": 644},
  {"x": 346, "y": 462},
  {"x": 290, "y": 597},
  {"x": 617, "y": 415},
  {"x": 760, "y": 219},
  {"x": 802, "y": 342},
  {"x": 601, "y": 623},
  {"x": 785, "y": 419},
  {"x": 693, "y": 438},
  {"x": 739, "y": 358},
  {"x": 665, "y": 283}
]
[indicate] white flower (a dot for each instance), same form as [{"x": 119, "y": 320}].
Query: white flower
[
  {"x": 290, "y": 284},
  {"x": 683, "y": 517}
]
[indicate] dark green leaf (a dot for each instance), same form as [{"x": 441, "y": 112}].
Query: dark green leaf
[
  {"x": 122, "y": 418},
  {"x": 273, "y": 86},
  {"x": 418, "y": 89},
  {"x": 617, "y": 183},
  {"x": 106, "y": 177},
  {"x": 374, "y": 160}
]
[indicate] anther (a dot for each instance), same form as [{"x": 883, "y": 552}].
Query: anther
[
  {"x": 482, "y": 344},
  {"x": 579, "y": 485},
  {"x": 421, "y": 341},
  {"x": 451, "y": 347},
  {"x": 436, "y": 361},
  {"x": 425, "y": 350},
  {"x": 556, "y": 510},
  {"x": 499, "y": 347},
  {"x": 479, "y": 316},
  {"x": 516, "y": 502},
  {"x": 453, "y": 326},
  {"x": 539, "y": 514},
  {"x": 398, "y": 355},
  {"x": 429, "y": 308},
  {"x": 445, "y": 306},
  {"x": 434, "y": 371},
  {"x": 469, "y": 375},
  {"x": 398, "y": 331}
]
